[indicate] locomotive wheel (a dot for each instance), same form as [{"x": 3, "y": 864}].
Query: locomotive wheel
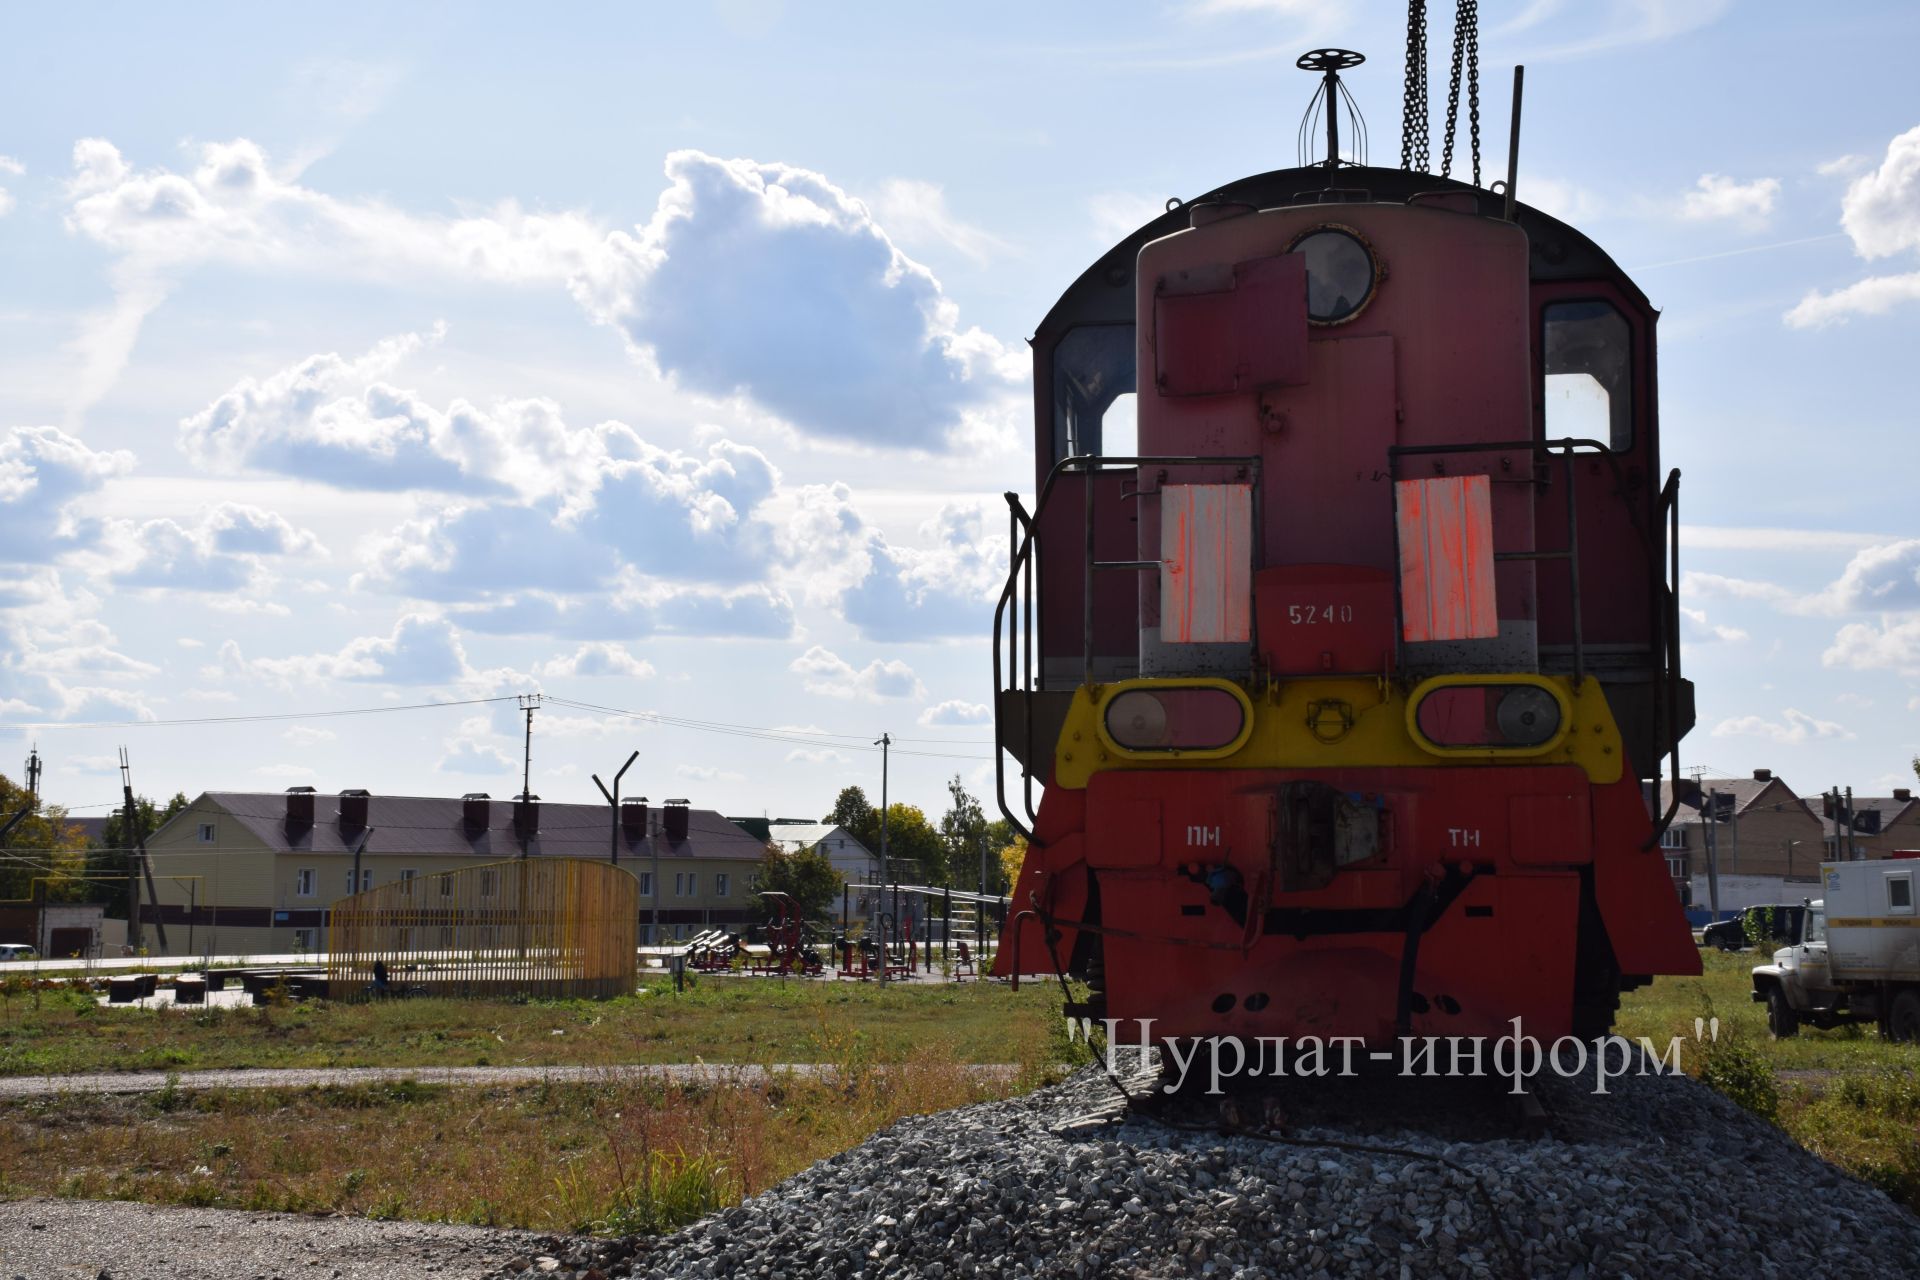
[
  {"x": 1782, "y": 1021},
  {"x": 1903, "y": 1019}
]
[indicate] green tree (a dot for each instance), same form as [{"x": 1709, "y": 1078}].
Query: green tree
[
  {"x": 43, "y": 847},
  {"x": 856, "y": 813},
  {"x": 113, "y": 863},
  {"x": 807, "y": 877},
  {"x": 915, "y": 852},
  {"x": 963, "y": 830}
]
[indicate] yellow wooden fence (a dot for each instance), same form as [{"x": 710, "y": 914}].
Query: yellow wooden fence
[{"x": 549, "y": 927}]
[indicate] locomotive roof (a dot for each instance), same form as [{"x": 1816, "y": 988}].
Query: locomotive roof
[{"x": 1104, "y": 293}]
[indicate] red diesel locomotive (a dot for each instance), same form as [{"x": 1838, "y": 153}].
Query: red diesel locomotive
[{"x": 1338, "y": 682}]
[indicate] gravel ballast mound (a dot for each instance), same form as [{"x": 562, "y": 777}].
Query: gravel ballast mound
[{"x": 1661, "y": 1177}]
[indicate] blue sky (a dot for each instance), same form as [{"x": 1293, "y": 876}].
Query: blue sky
[{"x": 671, "y": 359}]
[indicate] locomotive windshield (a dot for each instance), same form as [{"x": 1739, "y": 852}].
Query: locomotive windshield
[
  {"x": 1588, "y": 358},
  {"x": 1092, "y": 367}
]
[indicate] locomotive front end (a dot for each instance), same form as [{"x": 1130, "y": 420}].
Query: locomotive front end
[{"x": 1337, "y": 684}]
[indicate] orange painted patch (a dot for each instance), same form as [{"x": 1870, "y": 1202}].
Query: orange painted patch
[{"x": 1446, "y": 558}]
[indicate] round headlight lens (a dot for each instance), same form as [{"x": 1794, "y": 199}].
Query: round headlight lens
[{"x": 1527, "y": 716}]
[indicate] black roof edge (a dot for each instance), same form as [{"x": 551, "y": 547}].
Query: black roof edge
[{"x": 1574, "y": 255}]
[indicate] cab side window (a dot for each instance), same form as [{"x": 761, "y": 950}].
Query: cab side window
[
  {"x": 1093, "y": 385},
  {"x": 1587, "y": 353}
]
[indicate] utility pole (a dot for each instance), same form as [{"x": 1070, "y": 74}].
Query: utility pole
[
  {"x": 885, "y": 743},
  {"x": 131, "y": 823},
  {"x": 1713, "y": 854},
  {"x": 529, "y": 702},
  {"x": 1853, "y": 836},
  {"x": 613, "y": 798},
  {"x": 359, "y": 847},
  {"x": 32, "y": 801}
]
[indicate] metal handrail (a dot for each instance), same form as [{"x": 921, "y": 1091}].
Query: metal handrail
[
  {"x": 1668, "y": 710},
  {"x": 1023, "y": 532}
]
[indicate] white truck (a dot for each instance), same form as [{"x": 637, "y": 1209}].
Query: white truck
[{"x": 1857, "y": 958}]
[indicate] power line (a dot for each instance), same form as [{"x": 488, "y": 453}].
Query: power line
[
  {"x": 252, "y": 719},
  {"x": 798, "y": 737}
]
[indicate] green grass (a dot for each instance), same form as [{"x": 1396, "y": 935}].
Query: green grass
[
  {"x": 730, "y": 1020},
  {"x": 614, "y": 1157},
  {"x": 1845, "y": 1094}
]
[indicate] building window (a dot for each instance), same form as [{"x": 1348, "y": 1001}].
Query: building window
[
  {"x": 366, "y": 879},
  {"x": 720, "y": 881},
  {"x": 1673, "y": 838},
  {"x": 408, "y": 874},
  {"x": 646, "y": 884},
  {"x": 207, "y": 832},
  {"x": 303, "y": 883},
  {"x": 303, "y": 939},
  {"x": 487, "y": 883},
  {"x": 686, "y": 884},
  {"x": 1677, "y": 868},
  {"x": 446, "y": 885}
]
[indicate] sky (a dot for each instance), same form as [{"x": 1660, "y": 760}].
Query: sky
[{"x": 669, "y": 361}]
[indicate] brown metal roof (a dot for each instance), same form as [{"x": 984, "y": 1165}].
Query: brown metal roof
[{"x": 435, "y": 825}]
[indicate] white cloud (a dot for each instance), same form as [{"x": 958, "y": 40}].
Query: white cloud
[
  {"x": 222, "y": 552},
  {"x": 1853, "y": 700},
  {"x": 957, "y": 711},
  {"x": 1702, "y": 631},
  {"x": 421, "y": 650},
  {"x": 302, "y": 735},
  {"x": 1598, "y": 26},
  {"x": 1865, "y": 646},
  {"x": 50, "y": 638},
  {"x": 1716, "y": 197},
  {"x": 1733, "y": 538},
  {"x": 1695, "y": 583},
  {"x": 808, "y": 755},
  {"x": 823, "y": 671},
  {"x": 1881, "y": 213},
  {"x": 8, "y": 165},
  {"x": 297, "y": 771},
  {"x": 916, "y": 213},
  {"x": 1118, "y": 214},
  {"x": 1842, "y": 166},
  {"x": 42, "y": 471},
  {"x": 1570, "y": 202},
  {"x": 598, "y": 658},
  {"x": 1881, "y": 578},
  {"x": 706, "y": 773},
  {"x": 896, "y": 592},
  {"x": 769, "y": 279},
  {"x": 1792, "y": 728},
  {"x": 467, "y": 755}
]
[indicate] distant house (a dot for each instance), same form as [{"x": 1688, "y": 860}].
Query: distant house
[
  {"x": 256, "y": 873},
  {"x": 1885, "y": 825},
  {"x": 856, "y": 863},
  {"x": 1768, "y": 842}
]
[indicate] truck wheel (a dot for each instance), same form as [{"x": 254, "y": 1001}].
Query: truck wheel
[
  {"x": 1782, "y": 1021},
  {"x": 1903, "y": 1019}
]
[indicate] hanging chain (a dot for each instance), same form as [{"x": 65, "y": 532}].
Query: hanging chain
[
  {"x": 1415, "y": 148},
  {"x": 1453, "y": 97},
  {"x": 1466, "y": 49},
  {"x": 1469, "y": 18}
]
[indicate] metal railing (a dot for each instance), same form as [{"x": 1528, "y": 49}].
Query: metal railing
[{"x": 1017, "y": 606}]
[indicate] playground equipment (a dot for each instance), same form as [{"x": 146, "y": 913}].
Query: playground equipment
[
  {"x": 713, "y": 951},
  {"x": 789, "y": 948}
]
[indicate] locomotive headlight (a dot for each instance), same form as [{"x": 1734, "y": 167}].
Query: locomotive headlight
[
  {"x": 1526, "y": 716},
  {"x": 1205, "y": 719},
  {"x": 1476, "y": 715}
]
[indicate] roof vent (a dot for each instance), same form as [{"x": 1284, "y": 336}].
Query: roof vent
[
  {"x": 674, "y": 820},
  {"x": 476, "y": 812},
  {"x": 633, "y": 816},
  {"x": 1763, "y": 775},
  {"x": 526, "y": 815},
  {"x": 300, "y": 806},
  {"x": 353, "y": 807}
]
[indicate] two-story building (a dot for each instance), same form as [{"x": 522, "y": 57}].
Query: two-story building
[
  {"x": 1885, "y": 825},
  {"x": 252, "y": 873},
  {"x": 1767, "y": 842}
]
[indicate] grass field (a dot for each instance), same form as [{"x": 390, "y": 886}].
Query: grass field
[
  {"x": 715, "y": 1020},
  {"x": 622, "y": 1156},
  {"x": 1845, "y": 1094}
]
